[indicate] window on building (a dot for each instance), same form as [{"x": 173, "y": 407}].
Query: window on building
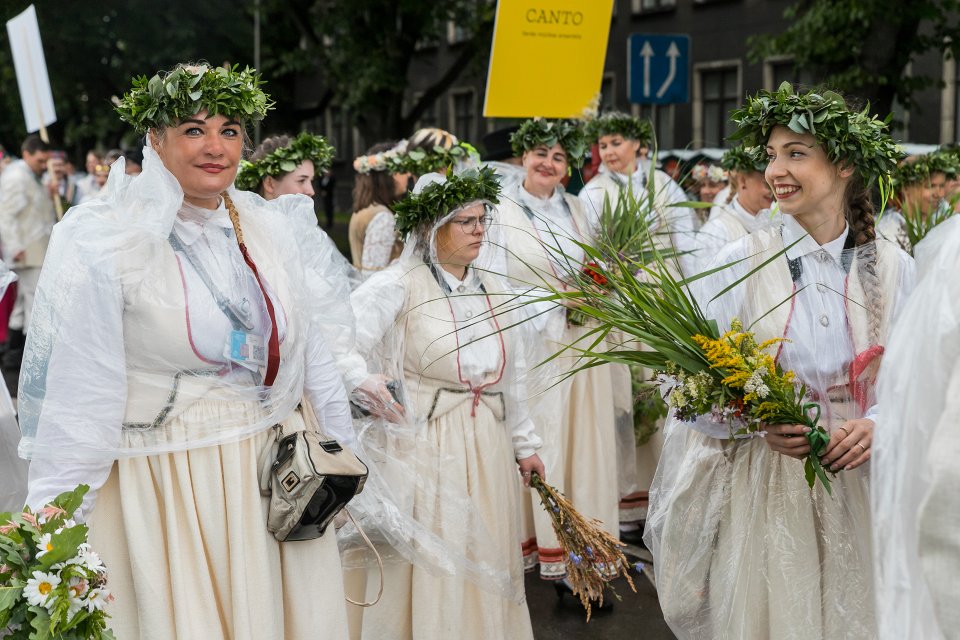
[
  {"x": 720, "y": 94},
  {"x": 662, "y": 116},
  {"x": 652, "y": 6},
  {"x": 338, "y": 132},
  {"x": 429, "y": 117},
  {"x": 463, "y": 114},
  {"x": 608, "y": 89},
  {"x": 456, "y": 34},
  {"x": 780, "y": 71}
]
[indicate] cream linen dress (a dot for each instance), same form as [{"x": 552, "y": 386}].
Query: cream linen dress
[
  {"x": 470, "y": 424},
  {"x": 742, "y": 547},
  {"x": 183, "y": 534}
]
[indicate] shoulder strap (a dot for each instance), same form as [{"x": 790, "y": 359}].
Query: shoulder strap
[{"x": 273, "y": 351}]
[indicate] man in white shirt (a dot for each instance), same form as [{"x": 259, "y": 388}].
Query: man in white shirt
[{"x": 26, "y": 219}]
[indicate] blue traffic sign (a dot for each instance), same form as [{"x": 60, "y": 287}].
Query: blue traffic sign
[{"x": 658, "y": 68}]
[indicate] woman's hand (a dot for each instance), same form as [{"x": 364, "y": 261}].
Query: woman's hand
[
  {"x": 373, "y": 395},
  {"x": 849, "y": 445},
  {"x": 529, "y": 466},
  {"x": 788, "y": 439}
]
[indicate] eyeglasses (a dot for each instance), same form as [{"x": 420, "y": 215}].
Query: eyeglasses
[{"x": 469, "y": 225}]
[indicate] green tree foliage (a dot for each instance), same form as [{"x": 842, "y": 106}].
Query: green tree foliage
[
  {"x": 93, "y": 49},
  {"x": 361, "y": 53},
  {"x": 863, "y": 47}
]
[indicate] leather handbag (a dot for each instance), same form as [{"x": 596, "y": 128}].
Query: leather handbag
[{"x": 310, "y": 478}]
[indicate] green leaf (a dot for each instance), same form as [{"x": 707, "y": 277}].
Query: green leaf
[
  {"x": 65, "y": 545},
  {"x": 9, "y": 597}
]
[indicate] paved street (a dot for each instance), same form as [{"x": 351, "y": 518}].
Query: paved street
[{"x": 637, "y": 615}]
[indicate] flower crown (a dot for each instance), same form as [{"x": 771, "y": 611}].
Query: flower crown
[
  {"x": 711, "y": 172},
  {"x": 849, "y": 137},
  {"x": 540, "y": 132},
  {"x": 390, "y": 160},
  {"x": 614, "y": 123},
  {"x": 919, "y": 169},
  {"x": 440, "y": 198},
  {"x": 167, "y": 98},
  {"x": 744, "y": 159},
  {"x": 423, "y": 161},
  {"x": 305, "y": 146}
]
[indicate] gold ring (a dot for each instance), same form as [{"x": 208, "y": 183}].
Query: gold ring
[
  {"x": 844, "y": 429},
  {"x": 862, "y": 447}
]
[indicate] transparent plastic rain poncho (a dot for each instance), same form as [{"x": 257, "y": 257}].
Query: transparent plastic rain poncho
[
  {"x": 742, "y": 547},
  {"x": 145, "y": 307},
  {"x": 455, "y": 379},
  {"x": 915, "y": 484},
  {"x": 13, "y": 478}
]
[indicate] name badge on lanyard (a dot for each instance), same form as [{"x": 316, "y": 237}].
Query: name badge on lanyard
[{"x": 246, "y": 349}]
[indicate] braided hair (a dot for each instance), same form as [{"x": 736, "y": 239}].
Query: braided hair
[{"x": 859, "y": 213}]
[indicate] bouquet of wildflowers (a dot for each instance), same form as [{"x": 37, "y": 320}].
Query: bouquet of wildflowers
[
  {"x": 592, "y": 556},
  {"x": 728, "y": 377},
  {"x": 52, "y": 584},
  {"x": 745, "y": 388}
]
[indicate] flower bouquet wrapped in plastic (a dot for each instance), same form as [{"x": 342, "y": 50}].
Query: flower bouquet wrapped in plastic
[{"x": 52, "y": 584}]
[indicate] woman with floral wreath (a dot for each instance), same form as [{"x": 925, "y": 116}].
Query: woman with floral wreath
[
  {"x": 284, "y": 165},
  {"x": 747, "y": 210},
  {"x": 744, "y": 547},
  {"x": 541, "y": 226},
  {"x": 381, "y": 181},
  {"x": 919, "y": 191},
  {"x": 620, "y": 138},
  {"x": 446, "y": 374},
  {"x": 177, "y": 322},
  {"x": 709, "y": 181}
]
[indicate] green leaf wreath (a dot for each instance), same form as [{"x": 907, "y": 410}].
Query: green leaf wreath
[
  {"x": 849, "y": 137},
  {"x": 305, "y": 146},
  {"x": 539, "y": 132},
  {"x": 614, "y": 123},
  {"x": 167, "y": 98},
  {"x": 744, "y": 159},
  {"x": 440, "y": 198}
]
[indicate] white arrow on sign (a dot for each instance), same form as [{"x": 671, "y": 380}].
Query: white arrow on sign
[
  {"x": 646, "y": 53},
  {"x": 673, "y": 53}
]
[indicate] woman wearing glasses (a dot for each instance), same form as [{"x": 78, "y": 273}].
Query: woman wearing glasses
[{"x": 442, "y": 375}]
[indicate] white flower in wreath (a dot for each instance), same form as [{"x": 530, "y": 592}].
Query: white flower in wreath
[
  {"x": 39, "y": 587},
  {"x": 97, "y": 599},
  {"x": 45, "y": 545},
  {"x": 77, "y": 589}
]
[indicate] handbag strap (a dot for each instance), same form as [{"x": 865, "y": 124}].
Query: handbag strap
[{"x": 379, "y": 562}]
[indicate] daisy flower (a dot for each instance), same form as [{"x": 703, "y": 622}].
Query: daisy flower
[{"x": 39, "y": 587}]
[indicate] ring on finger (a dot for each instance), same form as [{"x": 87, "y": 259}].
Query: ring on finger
[
  {"x": 844, "y": 429},
  {"x": 860, "y": 444}
]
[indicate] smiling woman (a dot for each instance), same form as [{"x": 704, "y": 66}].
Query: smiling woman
[
  {"x": 744, "y": 548},
  {"x": 179, "y": 320}
]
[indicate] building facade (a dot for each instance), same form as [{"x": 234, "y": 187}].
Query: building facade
[{"x": 721, "y": 74}]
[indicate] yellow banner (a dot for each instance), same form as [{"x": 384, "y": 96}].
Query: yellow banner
[{"x": 547, "y": 57}]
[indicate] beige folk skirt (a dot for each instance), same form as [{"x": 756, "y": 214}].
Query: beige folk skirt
[
  {"x": 470, "y": 457},
  {"x": 184, "y": 538},
  {"x": 745, "y": 549}
]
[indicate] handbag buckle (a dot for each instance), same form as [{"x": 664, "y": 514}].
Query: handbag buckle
[{"x": 331, "y": 446}]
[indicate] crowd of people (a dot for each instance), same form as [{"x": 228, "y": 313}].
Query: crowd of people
[{"x": 188, "y": 301}]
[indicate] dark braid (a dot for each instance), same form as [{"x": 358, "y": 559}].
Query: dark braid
[{"x": 859, "y": 212}]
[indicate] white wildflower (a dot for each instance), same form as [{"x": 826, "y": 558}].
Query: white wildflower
[{"x": 39, "y": 587}]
